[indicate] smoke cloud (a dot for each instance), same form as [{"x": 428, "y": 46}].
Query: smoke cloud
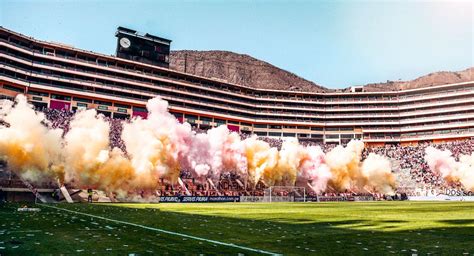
[
  {"x": 161, "y": 147},
  {"x": 443, "y": 163},
  {"x": 27, "y": 144}
]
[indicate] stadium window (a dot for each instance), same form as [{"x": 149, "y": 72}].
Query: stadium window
[
  {"x": 106, "y": 103},
  {"x": 347, "y": 129},
  {"x": 102, "y": 62},
  {"x": 261, "y": 133},
  {"x": 285, "y": 134},
  {"x": 275, "y": 126},
  {"x": 274, "y": 134},
  {"x": 122, "y": 110},
  {"x": 347, "y": 136},
  {"x": 246, "y": 124},
  {"x": 205, "y": 119},
  {"x": 105, "y": 113},
  {"x": 122, "y": 106},
  {"x": 61, "y": 97},
  {"x": 121, "y": 116},
  {"x": 317, "y": 136},
  {"x": 37, "y": 93},
  {"x": 191, "y": 120},
  {"x": 4, "y": 97},
  {"x": 316, "y": 128},
  {"x": 191, "y": 117},
  {"x": 82, "y": 100},
  {"x": 12, "y": 88},
  {"x": 260, "y": 126},
  {"x": 139, "y": 109},
  {"x": 82, "y": 105},
  {"x": 177, "y": 114},
  {"x": 219, "y": 121},
  {"x": 232, "y": 122}
]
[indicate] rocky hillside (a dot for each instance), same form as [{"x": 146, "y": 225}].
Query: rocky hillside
[
  {"x": 239, "y": 69},
  {"x": 246, "y": 70},
  {"x": 437, "y": 78}
]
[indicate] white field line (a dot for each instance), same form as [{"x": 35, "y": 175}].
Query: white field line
[{"x": 165, "y": 231}]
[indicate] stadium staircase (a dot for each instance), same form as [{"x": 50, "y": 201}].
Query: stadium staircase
[
  {"x": 183, "y": 186},
  {"x": 405, "y": 181},
  {"x": 310, "y": 187},
  {"x": 214, "y": 186},
  {"x": 66, "y": 194},
  {"x": 42, "y": 198},
  {"x": 395, "y": 165},
  {"x": 242, "y": 187}
]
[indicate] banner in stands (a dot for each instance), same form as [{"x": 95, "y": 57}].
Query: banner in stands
[
  {"x": 363, "y": 198},
  {"x": 333, "y": 198},
  {"x": 199, "y": 199},
  {"x": 251, "y": 198},
  {"x": 441, "y": 198}
]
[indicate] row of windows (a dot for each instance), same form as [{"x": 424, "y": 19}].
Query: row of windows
[
  {"x": 221, "y": 121},
  {"x": 157, "y": 92},
  {"x": 180, "y": 103},
  {"x": 194, "y": 98},
  {"x": 207, "y": 108},
  {"x": 104, "y": 91},
  {"x": 258, "y": 94}
]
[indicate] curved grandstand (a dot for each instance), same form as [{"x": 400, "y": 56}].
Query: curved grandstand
[
  {"x": 60, "y": 79},
  {"x": 57, "y": 76}
]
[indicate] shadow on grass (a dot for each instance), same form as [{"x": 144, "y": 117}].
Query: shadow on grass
[
  {"x": 458, "y": 222},
  {"x": 287, "y": 235},
  {"x": 300, "y": 236}
]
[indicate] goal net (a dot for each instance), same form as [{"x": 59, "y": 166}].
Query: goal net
[{"x": 284, "y": 194}]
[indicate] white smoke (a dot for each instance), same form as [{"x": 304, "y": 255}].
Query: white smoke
[
  {"x": 160, "y": 147},
  {"x": 442, "y": 162},
  {"x": 27, "y": 144}
]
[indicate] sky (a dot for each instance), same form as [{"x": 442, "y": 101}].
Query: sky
[{"x": 332, "y": 43}]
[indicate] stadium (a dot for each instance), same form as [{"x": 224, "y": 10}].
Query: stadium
[{"x": 108, "y": 154}]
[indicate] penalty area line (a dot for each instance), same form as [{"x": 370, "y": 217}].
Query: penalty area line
[{"x": 164, "y": 231}]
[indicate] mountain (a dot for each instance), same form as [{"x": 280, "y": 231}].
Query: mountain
[
  {"x": 239, "y": 69},
  {"x": 432, "y": 79},
  {"x": 245, "y": 70}
]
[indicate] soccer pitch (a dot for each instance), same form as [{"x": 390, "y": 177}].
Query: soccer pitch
[{"x": 342, "y": 228}]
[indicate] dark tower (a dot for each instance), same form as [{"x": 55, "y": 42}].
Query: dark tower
[{"x": 145, "y": 48}]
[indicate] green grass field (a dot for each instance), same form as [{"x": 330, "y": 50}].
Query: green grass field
[{"x": 344, "y": 228}]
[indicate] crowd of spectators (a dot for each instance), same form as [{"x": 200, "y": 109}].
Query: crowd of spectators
[
  {"x": 410, "y": 158},
  {"x": 58, "y": 118}
]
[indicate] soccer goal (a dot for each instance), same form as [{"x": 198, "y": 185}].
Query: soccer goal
[{"x": 284, "y": 194}]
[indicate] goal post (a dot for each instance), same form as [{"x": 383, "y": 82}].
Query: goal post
[{"x": 284, "y": 194}]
